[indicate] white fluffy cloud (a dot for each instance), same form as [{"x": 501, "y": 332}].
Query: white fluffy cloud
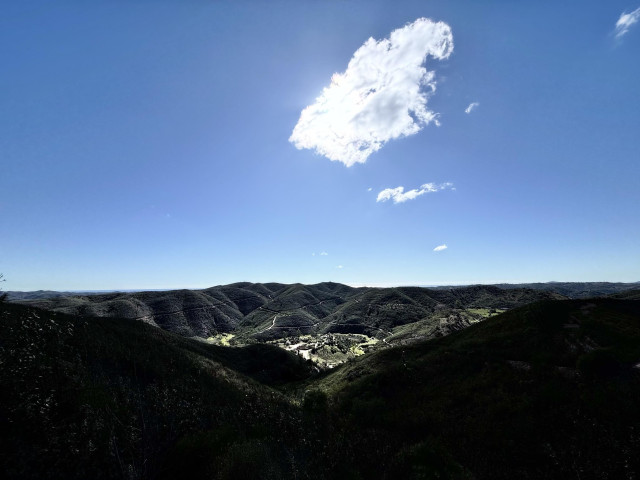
[
  {"x": 398, "y": 195},
  {"x": 382, "y": 95},
  {"x": 324, "y": 254},
  {"x": 471, "y": 107},
  {"x": 439, "y": 248},
  {"x": 626, "y": 21}
]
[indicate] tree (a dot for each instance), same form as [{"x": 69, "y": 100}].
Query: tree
[{"x": 3, "y": 296}]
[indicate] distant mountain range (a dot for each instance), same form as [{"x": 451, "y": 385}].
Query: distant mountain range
[
  {"x": 263, "y": 311},
  {"x": 577, "y": 289},
  {"x": 568, "y": 289}
]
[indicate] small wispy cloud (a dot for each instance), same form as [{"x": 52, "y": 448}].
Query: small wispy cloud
[
  {"x": 324, "y": 254},
  {"x": 472, "y": 106},
  {"x": 398, "y": 195},
  {"x": 369, "y": 189},
  {"x": 381, "y": 96},
  {"x": 625, "y": 22},
  {"x": 339, "y": 266},
  {"x": 439, "y": 248}
]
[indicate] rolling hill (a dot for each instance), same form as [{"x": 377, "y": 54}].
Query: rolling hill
[
  {"x": 576, "y": 289},
  {"x": 272, "y": 310},
  {"x": 546, "y": 390},
  {"x": 110, "y": 398}
]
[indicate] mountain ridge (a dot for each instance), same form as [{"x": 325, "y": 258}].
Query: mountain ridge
[{"x": 263, "y": 311}]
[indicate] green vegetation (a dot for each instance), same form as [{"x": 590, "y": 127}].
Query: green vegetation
[
  {"x": 547, "y": 390},
  {"x": 341, "y": 320},
  {"x": 628, "y": 295},
  {"x": 107, "y": 398},
  {"x": 485, "y": 312},
  {"x": 577, "y": 289},
  {"x": 223, "y": 339},
  {"x": 328, "y": 350},
  {"x": 267, "y": 312}
]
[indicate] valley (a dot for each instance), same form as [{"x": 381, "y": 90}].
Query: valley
[
  {"x": 326, "y": 323},
  {"x": 547, "y": 389}
]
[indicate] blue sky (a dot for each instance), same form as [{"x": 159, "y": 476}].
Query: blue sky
[{"x": 151, "y": 144}]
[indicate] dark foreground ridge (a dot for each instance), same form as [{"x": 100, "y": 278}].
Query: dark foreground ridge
[
  {"x": 547, "y": 390},
  {"x": 110, "y": 398}
]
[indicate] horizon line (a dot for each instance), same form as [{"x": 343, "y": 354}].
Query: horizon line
[{"x": 349, "y": 284}]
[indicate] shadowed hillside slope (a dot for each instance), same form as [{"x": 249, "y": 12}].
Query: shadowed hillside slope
[
  {"x": 628, "y": 295},
  {"x": 185, "y": 312},
  {"x": 549, "y": 390},
  {"x": 387, "y": 308},
  {"x": 109, "y": 398}
]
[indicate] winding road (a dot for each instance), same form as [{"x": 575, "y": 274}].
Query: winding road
[{"x": 273, "y": 324}]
